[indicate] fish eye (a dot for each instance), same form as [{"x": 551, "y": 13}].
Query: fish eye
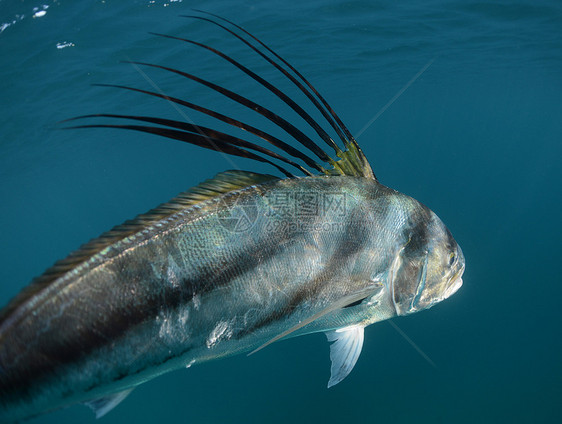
[{"x": 452, "y": 258}]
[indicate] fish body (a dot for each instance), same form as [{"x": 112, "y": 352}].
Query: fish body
[{"x": 237, "y": 262}]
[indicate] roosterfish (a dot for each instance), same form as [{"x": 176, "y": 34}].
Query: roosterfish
[{"x": 230, "y": 266}]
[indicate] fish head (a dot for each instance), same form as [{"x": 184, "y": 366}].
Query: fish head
[{"x": 429, "y": 266}]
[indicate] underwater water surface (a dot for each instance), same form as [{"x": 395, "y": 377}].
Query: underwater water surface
[{"x": 455, "y": 103}]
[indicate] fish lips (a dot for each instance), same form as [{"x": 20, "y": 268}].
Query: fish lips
[
  {"x": 455, "y": 282},
  {"x": 453, "y": 287}
]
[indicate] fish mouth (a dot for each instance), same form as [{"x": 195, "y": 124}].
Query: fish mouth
[{"x": 454, "y": 284}]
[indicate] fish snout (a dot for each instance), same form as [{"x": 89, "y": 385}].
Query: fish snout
[{"x": 455, "y": 282}]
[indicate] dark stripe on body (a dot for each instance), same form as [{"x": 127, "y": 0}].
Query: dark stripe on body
[
  {"x": 353, "y": 242},
  {"x": 54, "y": 354}
]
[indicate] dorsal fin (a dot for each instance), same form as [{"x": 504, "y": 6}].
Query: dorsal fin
[
  {"x": 222, "y": 183},
  {"x": 351, "y": 161}
]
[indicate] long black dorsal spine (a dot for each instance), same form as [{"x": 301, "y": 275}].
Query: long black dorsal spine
[{"x": 349, "y": 162}]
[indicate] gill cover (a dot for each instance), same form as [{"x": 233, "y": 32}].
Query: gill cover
[{"x": 409, "y": 275}]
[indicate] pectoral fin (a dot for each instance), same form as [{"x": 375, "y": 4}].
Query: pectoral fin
[
  {"x": 341, "y": 303},
  {"x": 103, "y": 405},
  {"x": 344, "y": 352}
]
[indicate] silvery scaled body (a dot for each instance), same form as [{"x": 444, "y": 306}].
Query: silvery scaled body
[{"x": 236, "y": 263}]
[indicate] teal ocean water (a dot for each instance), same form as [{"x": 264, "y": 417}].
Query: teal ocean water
[{"x": 477, "y": 136}]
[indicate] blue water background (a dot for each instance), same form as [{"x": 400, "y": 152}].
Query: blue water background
[{"x": 477, "y": 137}]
